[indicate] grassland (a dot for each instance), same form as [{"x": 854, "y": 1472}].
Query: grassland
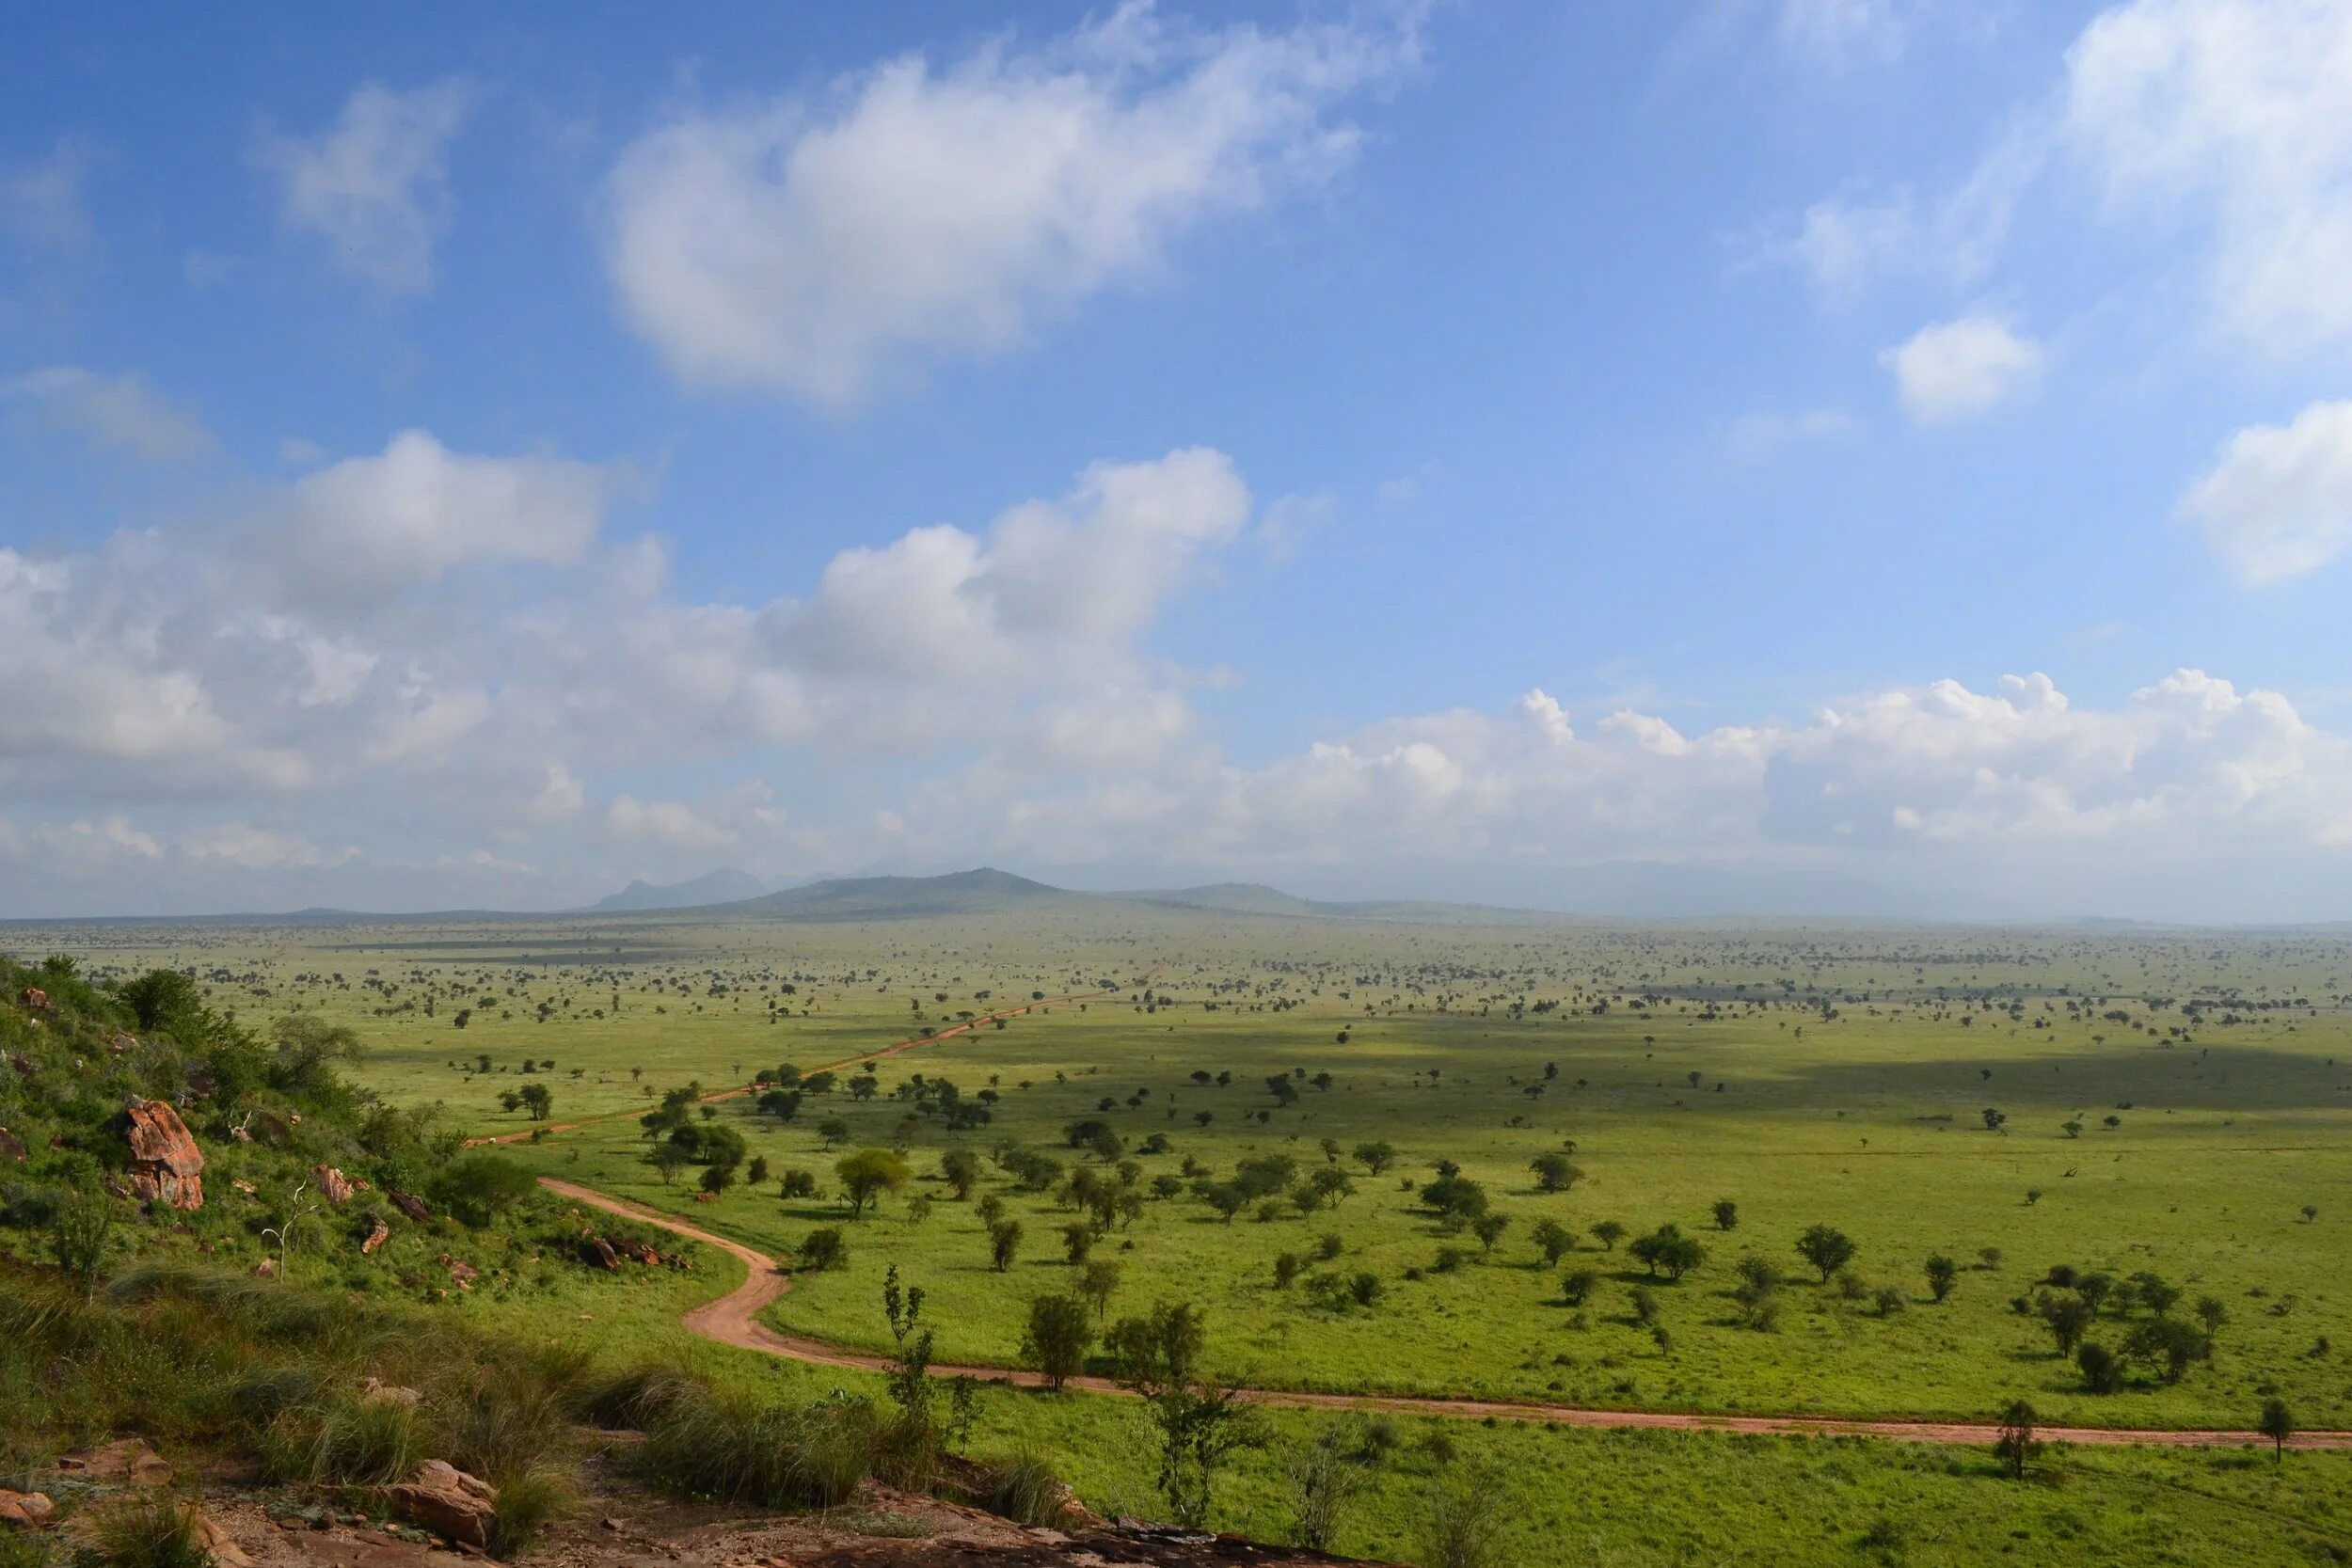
[{"x": 1832, "y": 1075}]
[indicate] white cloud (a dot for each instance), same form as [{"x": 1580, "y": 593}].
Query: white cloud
[
  {"x": 721, "y": 822},
  {"x": 918, "y": 212},
  {"x": 2278, "y": 502},
  {"x": 119, "y": 412},
  {"x": 254, "y": 849},
  {"x": 41, "y": 201},
  {"x": 2237, "y": 113},
  {"x": 1962, "y": 370},
  {"x": 375, "y": 184},
  {"x": 370, "y": 525}
]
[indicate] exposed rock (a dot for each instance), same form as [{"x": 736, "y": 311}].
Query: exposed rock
[
  {"x": 11, "y": 1147},
  {"x": 36, "y": 999},
  {"x": 242, "y": 1185},
  {"x": 218, "y": 1541},
  {"x": 122, "y": 1042},
  {"x": 126, "y": 1459},
  {"x": 376, "y": 1238},
  {"x": 25, "y": 1509},
  {"x": 460, "y": 1271},
  {"x": 647, "y": 1256},
  {"x": 332, "y": 1184},
  {"x": 449, "y": 1502},
  {"x": 265, "y": 1269},
  {"x": 605, "y": 1255},
  {"x": 412, "y": 1206},
  {"x": 166, "y": 1164}
]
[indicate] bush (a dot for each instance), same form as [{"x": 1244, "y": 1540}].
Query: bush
[
  {"x": 477, "y": 1188},
  {"x": 1461, "y": 1524},
  {"x": 823, "y": 1249}
]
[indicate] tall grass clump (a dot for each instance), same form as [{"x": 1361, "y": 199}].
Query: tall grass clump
[
  {"x": 154, "y": 1532},
  {"x": 1025, "y": 1489},
  {"x": 725, "y": 1447},
  {"x": 338, "y": 1441}
]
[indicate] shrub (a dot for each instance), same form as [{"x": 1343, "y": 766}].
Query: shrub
[
  {"x": 529, "y": 1501},
  {"x": 731, "y": 1450},
  {"x": 822, "y": 1249},
  {"x": 1461, "y": 1522},
  {"x": 477, "y": 1188}
]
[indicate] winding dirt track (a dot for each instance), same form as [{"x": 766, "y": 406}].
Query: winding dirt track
[{"x": 732, "y": 1320}]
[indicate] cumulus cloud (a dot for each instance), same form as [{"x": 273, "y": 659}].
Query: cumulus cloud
[
  {"x": 1962, "y": 370},
  {"x": 374, "y": 185},
  {"x": 2014, "y": 789},
  {"x": 2278, "y": 503},
  {"x": 918, "y": 211},
  {"x": 2235, "y": 112},
  {"x": 371, "y": 526},
  {"x": 112, "y": 412}
]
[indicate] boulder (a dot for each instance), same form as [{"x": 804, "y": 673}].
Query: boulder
[
  {"x": 332, "y": 1184},
  {"x": 376, "y": 1238},
  {"x": 605, "y": 1255},
  {"x": 25, "y": 1509},
  {"x": 412, "y": 1206},
  {"x": 452, "y": 1504},
  {"x": 166, "y": 1167}
]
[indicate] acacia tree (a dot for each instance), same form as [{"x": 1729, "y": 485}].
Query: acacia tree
[
  {"x": 1943, "y": 1274},
  {"x": 1827, "y": 1249},
  {"x": 2278, "y": 1424},
  {"x": 869, "y": 1174},
  {"x": 1057, "y": 1339},
  {"x": 2014, "y": 1443},
  {"x": 1555, "y": 1238}
]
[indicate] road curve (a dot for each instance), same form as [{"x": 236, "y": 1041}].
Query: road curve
[{"x": 732, "y": 1320}]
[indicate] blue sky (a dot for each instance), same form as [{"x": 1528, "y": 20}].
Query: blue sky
[{"x": 459, "y": 457}]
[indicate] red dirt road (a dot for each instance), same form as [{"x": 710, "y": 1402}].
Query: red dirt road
[{"x": 733, "y": 1318}]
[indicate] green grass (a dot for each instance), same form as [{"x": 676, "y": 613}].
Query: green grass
[{"x": 1836, "y": 1084}]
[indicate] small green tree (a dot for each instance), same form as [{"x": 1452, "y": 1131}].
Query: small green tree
[
  {"x": 1201, "y": 1420},
  {"x": 2013, "y": 1443},
  {"x": 867, "y": 1173},
  {"x": 1609, "y": 1233},
  {"x": 1827, "y": 1249},
  {"x": 1556, "y": 1241},
  {"x": 1726, "y": 1215},
  {"x": 1943, "y": 1275},
  {"x": 1004, "y": 1241},
  {"x": 2278, "y": 1424},
  {"x": 823, "y": 1249},
  {"x": 1055, "y": 1341}
]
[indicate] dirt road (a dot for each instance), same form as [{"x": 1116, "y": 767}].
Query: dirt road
[{"x": 734, "y": 1320}]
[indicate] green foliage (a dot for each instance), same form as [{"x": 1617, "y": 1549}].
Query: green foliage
[{"x": 478, "y": 1188}]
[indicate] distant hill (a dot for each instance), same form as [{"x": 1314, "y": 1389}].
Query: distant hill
[
  {"x": 715, "y": 887},
  {"x": 985, "y": 891}
]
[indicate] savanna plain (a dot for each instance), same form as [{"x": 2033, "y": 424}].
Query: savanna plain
[{"x": 1873, "y": 1172}]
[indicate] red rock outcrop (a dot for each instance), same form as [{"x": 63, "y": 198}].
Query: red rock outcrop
[
  {"x": 166, "y": 1164},
  {"x": 332, "y": 1184},
  {"x": 452, "y": 1504},
  {"x": 376, "y": 1238}
]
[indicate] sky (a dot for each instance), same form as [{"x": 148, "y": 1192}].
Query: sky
[{"x": 473, "y": 456}]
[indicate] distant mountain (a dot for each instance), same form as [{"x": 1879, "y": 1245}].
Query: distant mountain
[
  {"x": 715, "y": 887},
  {"x": 984, "y": 891}
]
